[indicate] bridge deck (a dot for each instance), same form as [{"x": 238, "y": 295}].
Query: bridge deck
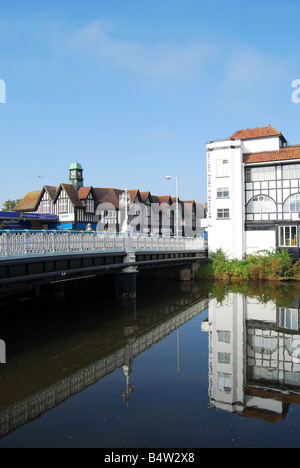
[
  {"x": 24, "y": 244},
  {"x": 40, "y": 257}
]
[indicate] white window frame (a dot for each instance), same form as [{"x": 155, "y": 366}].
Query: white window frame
[
  {"x": 222, "y": 168},
  {"x": 261, "y": 173},
  {"x": 290, "y": 204},
  {"x": 288, "y": 236},
  {"x": 289, "y": 318},
  {"x": 89, "y": 206},
  {"x": 291, "y": 171},
  {"x": 223, "y": 192},
  {"x": 223, "y": 213},
  {"x": 63, "y": 205},
  {"x": 261, "y": 204},
  {"x": 46, "y": 206}
]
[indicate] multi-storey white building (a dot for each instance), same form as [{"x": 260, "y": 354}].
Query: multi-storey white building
[
  {"x": 253, "y": 193},
  {"x": 254, "y": 351}
]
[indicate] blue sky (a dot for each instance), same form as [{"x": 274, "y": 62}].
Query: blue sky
[{"x": 133, "y": 89}]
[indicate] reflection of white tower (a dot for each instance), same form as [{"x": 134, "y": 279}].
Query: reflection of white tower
[
  {"x": 254, "y": 357},
  {"x": 226, "y": 327}
]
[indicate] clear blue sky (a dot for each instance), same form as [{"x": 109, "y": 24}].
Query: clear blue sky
[{"x": 133, "y": 89}]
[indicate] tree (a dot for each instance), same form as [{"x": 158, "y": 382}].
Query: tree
[{"x": 10, "y": 204}]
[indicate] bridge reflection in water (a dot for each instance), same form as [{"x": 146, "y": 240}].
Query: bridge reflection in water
[
  {"x": 131, "y": 336},
  {"x": 253, "y": 355}
]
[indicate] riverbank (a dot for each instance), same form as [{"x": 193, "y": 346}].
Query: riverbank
[{"x": 272, "y": 266}]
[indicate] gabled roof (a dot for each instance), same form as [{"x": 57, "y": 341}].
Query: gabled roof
[
  {"x": 288, "y": 153},
  {"x": 133, "y": 194},
  {"x": 71, "y": 193},
  {"x": 29, "y": 202},
  {"x": 145, "y": 196},
  {"x": 259, "y": 132},
  {"x": 51, "y": 191},
  {"x": 108, "y": 195},
  {"x": 84, "y": 192},
  {"x": 162, "y": 199}
]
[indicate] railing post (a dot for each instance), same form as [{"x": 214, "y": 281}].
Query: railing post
[
  {"x": 6, "y": 244},
  {"x": 26, "y": 242}
]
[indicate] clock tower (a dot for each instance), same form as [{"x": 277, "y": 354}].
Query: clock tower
[{"x": 76, "y": 175}]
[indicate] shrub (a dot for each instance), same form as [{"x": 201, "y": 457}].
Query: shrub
[{"x": 264, "y": 265}]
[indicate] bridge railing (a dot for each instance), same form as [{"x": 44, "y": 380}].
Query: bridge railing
[
  {"x": 26, "y": 243},
  {"x": 146, "y": 242},
  {"x": 19, "y": 243}
]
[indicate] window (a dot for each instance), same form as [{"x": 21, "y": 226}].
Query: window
[
  {"x": 89, "y": 206},
  {"x": 263, "y": 344},
  {"x": 223, "y": 192},
  {"x": 292, "y": 204},
  {"x": 224, "y": 336},
  {"x": 222, "y": 168},
  {"x": 223, "y": 213},
  {"x": 288, "y": 318},
  {"x": 288, "y": 236},
  {"x": 261, "y": 204},
  {"x": 256, "y": 174},
  {"x": 63, "y": 205},
  {"x": 223, "y": 358},
  {"x": 291, "y": 171},
  {"x": 46, "y": 206},
  {"x": 224, "y": 382}
]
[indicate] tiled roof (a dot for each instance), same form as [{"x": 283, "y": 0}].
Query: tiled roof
[
  {"x": 260, "y": 132},
  {"x": 288, "y": 153},
  {"x": 51, "y": 190},
  {"x": 29, "y": 202},
  {"x": 84, "y": 192},
  {"x": 108, "y": 195},
  {"x": 71, "y": 193},
  {"x": 133, "y": 194},
  {"x": 145, "y": 196}
]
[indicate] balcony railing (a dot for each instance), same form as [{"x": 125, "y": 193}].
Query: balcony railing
[{"x": 33, "y": 243}]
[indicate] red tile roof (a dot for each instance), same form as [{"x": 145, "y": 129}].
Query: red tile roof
[
  {"x": 288, "y": 153},
  {"x": 84, "y": 192},
  {"x": 260, "y": 132}
]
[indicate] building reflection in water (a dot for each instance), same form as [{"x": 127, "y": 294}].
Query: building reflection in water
[{"x": 254, "y": 356}]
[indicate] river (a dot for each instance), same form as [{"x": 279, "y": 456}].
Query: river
[{"x": 188, "y": 365}]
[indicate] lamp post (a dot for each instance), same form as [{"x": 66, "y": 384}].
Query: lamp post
[{"x": 177, "y": 220}]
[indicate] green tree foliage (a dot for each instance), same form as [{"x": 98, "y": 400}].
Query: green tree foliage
[
  {"x": 10, "y": 204},
  {"x": 265, "y": 265}
]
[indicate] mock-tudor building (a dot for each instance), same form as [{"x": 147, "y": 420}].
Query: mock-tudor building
[
  {"x": 79, "y": 208},
  {"x": 253, "y": 193}
]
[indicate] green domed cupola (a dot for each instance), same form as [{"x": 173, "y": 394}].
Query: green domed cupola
[{"x": 76, "y": 175}]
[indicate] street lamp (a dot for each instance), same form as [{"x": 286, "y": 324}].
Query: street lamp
[{"x": 177, "y": 220}]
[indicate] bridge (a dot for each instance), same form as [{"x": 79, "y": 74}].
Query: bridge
[
  {"x": 90, "y": 362},
  {"x": 34, "y": 258}
]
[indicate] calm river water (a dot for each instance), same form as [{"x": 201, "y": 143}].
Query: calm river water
[{"x": 187, "y": 366}]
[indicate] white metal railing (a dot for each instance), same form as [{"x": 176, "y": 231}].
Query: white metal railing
[
  {"x": 145, "y": 242},
  {"x": 32, "y": 243}
]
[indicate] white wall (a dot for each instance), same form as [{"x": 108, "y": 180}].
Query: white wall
[
  {"x": 227, "y": 234},
  {"x": 260, "y": 240},
  {"x": 261, "y": 144}
]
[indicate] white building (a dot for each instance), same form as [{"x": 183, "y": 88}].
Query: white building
[
  {"x": 253, "y": 193},
  {"x": 254, "y": 351}
]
